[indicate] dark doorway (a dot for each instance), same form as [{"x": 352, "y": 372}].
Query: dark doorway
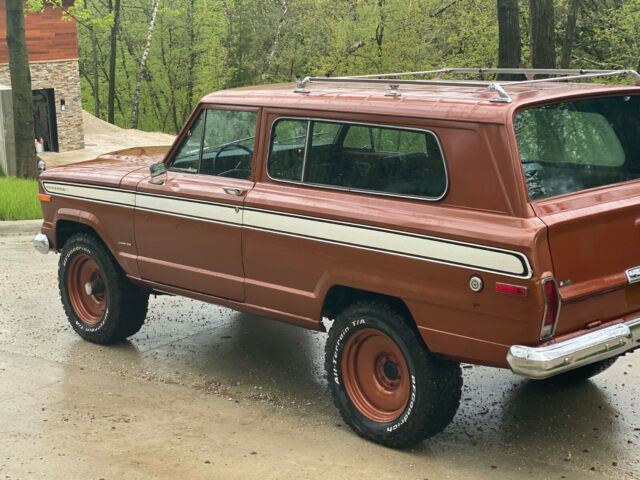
[{"x": 44, "y": 119}]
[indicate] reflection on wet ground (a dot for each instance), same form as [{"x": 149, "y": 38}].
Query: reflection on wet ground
[{"x": 593, "y": 425}]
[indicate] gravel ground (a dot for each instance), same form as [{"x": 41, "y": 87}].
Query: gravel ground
[{"x": 205, "y": 392}]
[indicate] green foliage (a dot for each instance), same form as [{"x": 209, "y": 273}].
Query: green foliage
[
  {"x": 199, "y": 46},
  {"x": 18, "y": 199}
]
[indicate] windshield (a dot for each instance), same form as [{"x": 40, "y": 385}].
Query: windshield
[{"x": 572, "y": 146}]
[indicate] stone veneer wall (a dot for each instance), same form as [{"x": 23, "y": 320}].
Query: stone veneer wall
[{"x": 64, "y": 77}]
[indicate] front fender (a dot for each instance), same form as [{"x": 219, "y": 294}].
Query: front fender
[{"x": 105, "y": 226}]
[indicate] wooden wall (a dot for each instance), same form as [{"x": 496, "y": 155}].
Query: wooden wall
[{"x": 49, "y": 37}]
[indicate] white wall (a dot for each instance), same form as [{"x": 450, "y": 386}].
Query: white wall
[{"x": 7, "y": 141}]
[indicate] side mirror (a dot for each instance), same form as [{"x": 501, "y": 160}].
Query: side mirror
[{"x": 158, "y": 173}]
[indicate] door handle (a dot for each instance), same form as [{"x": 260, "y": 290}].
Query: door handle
[{"x": 238, "y": 192}]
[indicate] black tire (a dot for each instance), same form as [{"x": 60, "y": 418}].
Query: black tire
[
  {"x": 125, "y": 305},
  {"x": 435, "y": 386},
  {"x": 583, "y": 373}
]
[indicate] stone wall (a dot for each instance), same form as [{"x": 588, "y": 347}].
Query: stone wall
[{"x": 64, "y": 77}]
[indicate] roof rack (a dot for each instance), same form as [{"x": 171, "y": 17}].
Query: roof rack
[{"x": 394, "y": 80}]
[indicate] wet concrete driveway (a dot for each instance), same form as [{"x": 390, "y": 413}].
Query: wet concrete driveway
[{"x": 205, "y": 392}]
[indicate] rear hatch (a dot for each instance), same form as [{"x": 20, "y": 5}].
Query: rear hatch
[{"x": 581, "y": 160}]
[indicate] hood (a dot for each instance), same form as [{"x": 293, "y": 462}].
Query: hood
[{"x": 108, "y": 169}]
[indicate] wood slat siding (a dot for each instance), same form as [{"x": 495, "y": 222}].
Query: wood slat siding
[{"x": 49, "y": 37}]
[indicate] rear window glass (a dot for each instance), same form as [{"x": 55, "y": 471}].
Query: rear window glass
[
  {"x": 572, "y": 146},
  {"x": 371, "y": 158}
]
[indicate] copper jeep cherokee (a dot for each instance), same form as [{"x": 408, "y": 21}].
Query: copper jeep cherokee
[{"x": 436, "y": 221}]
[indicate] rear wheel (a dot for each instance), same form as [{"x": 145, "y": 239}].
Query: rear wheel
[
  {"x": 384, "y": 381},
  {"x": 101, "y": 305},
  {"x": 583, "y": 373}
]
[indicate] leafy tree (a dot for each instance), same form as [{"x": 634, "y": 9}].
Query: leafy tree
[{"x": 193, "y": 47}]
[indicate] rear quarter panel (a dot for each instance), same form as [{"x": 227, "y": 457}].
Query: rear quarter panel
[{"x": 291, "y": 273}]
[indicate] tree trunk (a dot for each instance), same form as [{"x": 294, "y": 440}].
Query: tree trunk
[
  {"x": 142, "y": 67},
  {"x": 95, "y": 79},
  {"x": 113, "y": 54},
  {"x": 191, "y": 59},
  {"x": 95, "y": 75},
  {"x": 543, "y": 41},
  {"x": 277, "y": 37},
  {"x": 569, "y": 34},
  {"x": 509, "y": 47},
  {"x": 21, "y": 94}
]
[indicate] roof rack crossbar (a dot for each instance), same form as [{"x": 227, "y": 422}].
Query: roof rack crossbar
[
  {"x": 393, "y": 80},
  {"x": 382, "y": 81},
  {"x": 481, "y": 71}
]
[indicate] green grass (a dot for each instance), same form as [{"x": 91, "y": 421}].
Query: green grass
[{"x": 18, "y": 199}]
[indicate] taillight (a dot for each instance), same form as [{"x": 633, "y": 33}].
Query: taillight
[{"x": 551, "y": 308}]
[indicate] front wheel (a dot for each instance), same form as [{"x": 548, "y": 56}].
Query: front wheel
[
  {"x": 384, "y": 381},
  {"x": 101, "y": 304}
]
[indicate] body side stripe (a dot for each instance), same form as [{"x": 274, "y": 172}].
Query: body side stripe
[
  {"x": 428, "y": 248},
  {"x": 390, "y": 242},
  {"x": 119, "y": 197}
]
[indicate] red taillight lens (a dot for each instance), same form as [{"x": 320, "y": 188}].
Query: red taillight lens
[
  {"x": 552, "y": 308},
  {"x": 509, "y": 289}
]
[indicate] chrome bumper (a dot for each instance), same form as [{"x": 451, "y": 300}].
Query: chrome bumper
[
  {"x": 41, "y": 243},
  {"x": 550, "y": 360}
]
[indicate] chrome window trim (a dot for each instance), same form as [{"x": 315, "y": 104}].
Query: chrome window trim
[
  {"x": 359, "y": 190},
  {"x": 308, "y": 142}
]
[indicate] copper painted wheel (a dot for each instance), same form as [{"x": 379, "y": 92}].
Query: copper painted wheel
[
  {"x": 375, "y": 375},
  {"x": 86, "y": 289}
]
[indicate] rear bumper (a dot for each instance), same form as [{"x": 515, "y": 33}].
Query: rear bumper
[{"x": 550, "y": 360}]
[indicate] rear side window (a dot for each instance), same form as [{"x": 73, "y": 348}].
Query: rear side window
[
  {"x": 377, "y": 159},
  {"x": 572, "y": 146}
]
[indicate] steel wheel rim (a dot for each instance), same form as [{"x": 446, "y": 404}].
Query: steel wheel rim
[
  {"x": 375, "y": 375},
  {"x": 89, "y": 308}
]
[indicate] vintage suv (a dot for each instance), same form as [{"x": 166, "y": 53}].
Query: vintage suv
[{"x": 435, "y": 221}]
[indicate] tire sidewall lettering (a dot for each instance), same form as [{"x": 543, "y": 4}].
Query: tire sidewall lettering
[
  {"x": 407, "y": 414},
  {"x": 336, "y": 360},
  {"x": 337, "y": 351}
]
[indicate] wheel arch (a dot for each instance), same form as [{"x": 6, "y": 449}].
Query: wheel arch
[
  {"x": 68, "y": 221},
  {"x": 65, "y": 229},
  {"x": 339, "y": 297}
]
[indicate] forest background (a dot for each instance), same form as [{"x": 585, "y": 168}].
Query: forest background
[{"x": 145, "y": 63}]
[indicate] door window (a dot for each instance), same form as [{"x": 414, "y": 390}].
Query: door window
[
  {"x": 220, "y": 143},
  {"x": 229, "y": 139}
]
